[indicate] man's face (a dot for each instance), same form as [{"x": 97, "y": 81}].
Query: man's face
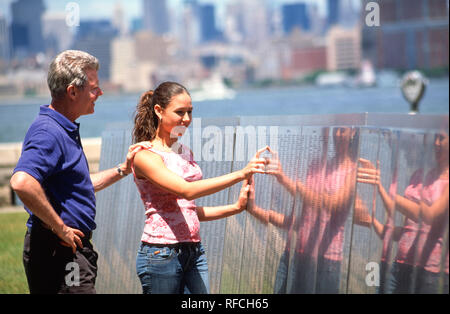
[{"x": 89, "y": 94}]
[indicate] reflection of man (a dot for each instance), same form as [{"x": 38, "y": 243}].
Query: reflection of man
[{"x": 53, "y": 181}]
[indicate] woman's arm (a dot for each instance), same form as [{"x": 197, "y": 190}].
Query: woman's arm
[
  {"x": 218, "y": 212},
  {"x": 437, "y": 209},
  {"x": 309, "y": 194},
  {"x": 151, "y": 166},
  {"x": 264, "y": 215},
  {"x": 368, "y": 174}
]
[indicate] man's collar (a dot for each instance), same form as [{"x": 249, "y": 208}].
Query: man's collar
[{"x": 60, "y": 118}]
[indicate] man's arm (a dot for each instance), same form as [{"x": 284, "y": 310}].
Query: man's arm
[
  {"x": 33, "y": 196},
  {"x": 103, "y": 179},
  {"x": 107, "y": 177}
]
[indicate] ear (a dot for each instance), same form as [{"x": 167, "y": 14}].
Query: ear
[
  {"x": 158, "y": 111},
  {"x": 71, "y": 92}
]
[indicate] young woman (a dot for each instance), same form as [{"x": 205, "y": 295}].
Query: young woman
[
  {"x": 171, "y": 258},
  {"x": 421, "y": 239},
  {"x": 327, "y": 194}
]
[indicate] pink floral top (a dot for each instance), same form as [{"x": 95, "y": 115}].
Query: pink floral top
[
  {"x": 169, "y": 218},
  {"x": 321, "y": 232},
  {"x": 420, "y": 243}
]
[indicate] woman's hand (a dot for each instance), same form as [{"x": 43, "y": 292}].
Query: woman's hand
[
  {"x": 361, "y": 215},
  {"x": 243, "y": 199},
  {"x": 368, "y": 173},
  {"x": 256, "y": 165},
  {"x": 273, "y": 165}
]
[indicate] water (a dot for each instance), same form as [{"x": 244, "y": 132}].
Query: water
[{"x": 117, "y": 110}]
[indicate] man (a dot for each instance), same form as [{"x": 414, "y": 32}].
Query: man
[{"x": 53, "y": 181}]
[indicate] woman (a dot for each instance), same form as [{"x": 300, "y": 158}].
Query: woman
[
  {"x": 327, "y": 196},
  {"x": 421, "y": 240},
  {"x": 171, "y": 258}
]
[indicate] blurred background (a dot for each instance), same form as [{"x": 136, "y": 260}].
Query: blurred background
[{"x": 250, "y": 43}]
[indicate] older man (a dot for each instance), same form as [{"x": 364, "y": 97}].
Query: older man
[{"x": 53, "y": 181}]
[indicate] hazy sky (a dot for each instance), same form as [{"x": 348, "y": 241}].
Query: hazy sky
[{"x": 90, "y": 9}]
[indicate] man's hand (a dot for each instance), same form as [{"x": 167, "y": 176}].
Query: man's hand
[
  {"x": 70, "y": 237},
  {"x": 33, "y": 196},
  {"x": 132, "y": 150}
]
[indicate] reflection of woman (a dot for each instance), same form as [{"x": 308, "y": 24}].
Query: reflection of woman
[
  {"x": 421, "y": 238},
  {"x": 327, "y": 196},
  {"x": 171, "y": 258}
]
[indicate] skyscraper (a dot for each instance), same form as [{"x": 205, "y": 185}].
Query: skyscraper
[
  {"x": 208, "y": 30},
  {"x": 295, "y": 15},
  {"x": 412, "y": 34},
  {"x": 333, "y": 12},
  {"x": 95, "y": 37},
  {"x": 26, "y": 28},
  {"x": 155, "y": 16},
  {"x": 4, "y": 39}
]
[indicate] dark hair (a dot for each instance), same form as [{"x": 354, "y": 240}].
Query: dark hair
[
  {"x": 146, "y": 121},
  {"x": 353, "y": 145}
]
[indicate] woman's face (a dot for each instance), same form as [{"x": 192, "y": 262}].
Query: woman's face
[
  {"x": 177, "y": 116},
  {"x": 342, "y": 137},
  {"x": 441, "y": 147}
]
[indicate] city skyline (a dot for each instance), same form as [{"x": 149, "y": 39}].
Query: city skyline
[
  {"x": 101, "y": 9},
  {"x": 257, "y": 42}
]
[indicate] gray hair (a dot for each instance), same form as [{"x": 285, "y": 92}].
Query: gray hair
[{"x": 68, "y": 68}]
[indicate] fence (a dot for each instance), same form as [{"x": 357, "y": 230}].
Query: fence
[{"x": 326, "y": 223}]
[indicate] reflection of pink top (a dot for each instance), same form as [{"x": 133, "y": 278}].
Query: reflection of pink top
[
  {"x": 321, "y": 232},
  {"x": 170, "y": 219},
  {"x": 406, "y": 244},
  {"x": 421, "y": 244},
  {"x": 431, "y": 237}
]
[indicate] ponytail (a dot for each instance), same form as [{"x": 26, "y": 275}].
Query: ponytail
[{"x": 145, "y": 120}]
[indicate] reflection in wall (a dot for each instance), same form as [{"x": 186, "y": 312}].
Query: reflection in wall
[{"x": 350, "y": 204}]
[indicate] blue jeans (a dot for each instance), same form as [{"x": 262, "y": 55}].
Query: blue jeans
[
  {"x": 173, "y": 269},
  {"x": 311, "y": 275}
]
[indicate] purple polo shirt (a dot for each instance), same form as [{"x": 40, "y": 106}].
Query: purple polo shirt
[{"x": 53, "y": 155}]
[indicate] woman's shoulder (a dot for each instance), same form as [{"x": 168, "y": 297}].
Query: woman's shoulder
[{"x": 147, "y": 155}]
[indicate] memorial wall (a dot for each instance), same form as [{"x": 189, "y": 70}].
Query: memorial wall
[{"x": 353, "y": 203}]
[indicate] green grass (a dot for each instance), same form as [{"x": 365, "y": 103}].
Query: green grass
[{"x": 12, "y": 232}]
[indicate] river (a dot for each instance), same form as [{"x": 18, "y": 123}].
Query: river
[{"x": 114, "y": 111}]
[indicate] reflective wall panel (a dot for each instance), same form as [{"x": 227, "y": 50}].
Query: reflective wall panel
[{"x": 354, "y": 203}]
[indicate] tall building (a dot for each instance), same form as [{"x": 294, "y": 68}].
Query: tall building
[
  {"x": 26, "y": 27},
  {"x": 189, "y": 30},
  {"x": 304, "y": 53},
  {"x": 4, "y": 39},
  {"x": 256, "y": 22},
  {"x": 57, "y": 35},
  {"x": 413, "y": 34},
  {"x": 343, "y": 48},
  {"x": 332, "y": 12},
  {"x": 348, "y": 15},
  {"x": 129, "y": 73},
  {"x": 95, "y": 37},
  {"x": 208, "y": 29},
  {"x": 295, "y": 15},
  {"x": 119, "y": 19},
  {"x": 155, "y": 16}
]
